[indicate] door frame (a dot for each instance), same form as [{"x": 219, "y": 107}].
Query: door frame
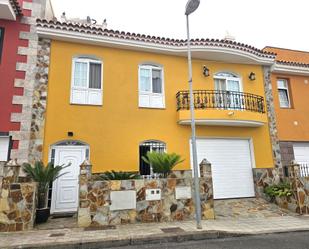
[{"x": 69, "y": 146}]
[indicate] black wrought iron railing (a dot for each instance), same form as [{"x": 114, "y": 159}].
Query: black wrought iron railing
[{"x": 229, "y": 100}]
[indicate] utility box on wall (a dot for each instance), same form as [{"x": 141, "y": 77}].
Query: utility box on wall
[
  {"x": 183, "y": 193},
  {"x": 153, "y": 194},
  {"x": 123, "y": 200}
]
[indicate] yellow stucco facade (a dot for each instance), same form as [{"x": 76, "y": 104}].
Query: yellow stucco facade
[{"x": 114, "y": 130}]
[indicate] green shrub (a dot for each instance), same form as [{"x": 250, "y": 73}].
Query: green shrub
[
  {"x": 283, "y": 189},
  {"x": 43, "y": 175},
  {"x": 162, "y": 163},
  {"x": 113, "y": 175}
]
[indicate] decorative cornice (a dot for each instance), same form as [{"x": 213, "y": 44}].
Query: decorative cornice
[
  {"x": 87, "y": 33},
  {"x": 289, "y": 67},
  {"x": 16, "y": 7}
]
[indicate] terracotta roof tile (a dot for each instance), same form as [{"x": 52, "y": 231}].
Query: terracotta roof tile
[
  {"x": 293, "y": 63},
  {"x": 16, "y": 7},
  {"x": 97, "y": 30}
]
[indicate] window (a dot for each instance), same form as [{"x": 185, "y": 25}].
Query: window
[
  {"x": 228, "y": 89},
  {"x": 1, "y": 41},
  {"x": 283, "y": 91},
  {"x": 86, "y": 87},
  {"x": 144, "y": 147},
  {"x": 4, "y": 148},
  {"x": 151, "y": 87}
]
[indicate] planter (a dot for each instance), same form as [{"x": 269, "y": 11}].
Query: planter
[{"x": 42, "y": 215}]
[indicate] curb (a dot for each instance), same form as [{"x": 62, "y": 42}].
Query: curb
[
  {"x": 149, "y": 239},
  {"x": 139, "y": 240}
]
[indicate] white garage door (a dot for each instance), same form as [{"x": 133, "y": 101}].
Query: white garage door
[
  {"x": 231, "y": 166},
  {"x": 301, "y": 152}
]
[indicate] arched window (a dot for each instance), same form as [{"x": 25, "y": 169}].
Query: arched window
[
  {"x": 68, "y": 143},
  {"x": 228, "y": 91},
  {"x": 86, "y": 86},
  {"x": 146, "y": 146},
  {"x": 151, "y": 86},
  {"x": 225, "y": 81}
]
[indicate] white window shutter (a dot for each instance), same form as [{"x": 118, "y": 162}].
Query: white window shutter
[
  {"x": 95, "y": 97},
  {"x": 79, "y": 96}
]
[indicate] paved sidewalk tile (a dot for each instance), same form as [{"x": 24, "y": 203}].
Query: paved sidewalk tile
[{"x": 151, "y": 230}]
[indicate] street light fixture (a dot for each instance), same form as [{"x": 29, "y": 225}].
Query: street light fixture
[{"x": 191, "y": 6}]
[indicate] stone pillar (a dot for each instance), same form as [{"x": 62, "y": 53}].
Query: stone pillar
[
  {"x": 206, "y": 190},
  {"x": 11, "y": 171},
  {"x": 84, "y": 217},
  {"x": 205, "y": 168},
  {"x": 297, "y": 187},
  {"x": 272, "y": 119}
]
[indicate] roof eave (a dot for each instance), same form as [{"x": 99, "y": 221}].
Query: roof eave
[
  {"x": 198, "y": 51},
  {"x": 290, "y": 69}
]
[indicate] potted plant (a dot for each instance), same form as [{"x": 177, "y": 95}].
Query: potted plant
[
  {"x": 113, "y": 175},
  {"x": 161, "y": 162},
  {"x": 43, "y": 175}
]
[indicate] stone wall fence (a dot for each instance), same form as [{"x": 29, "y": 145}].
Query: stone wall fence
[
  {"x": 114, "y": 202},
  {"x": 17, "y": 200},
  {"x": 298, "y": 202}
]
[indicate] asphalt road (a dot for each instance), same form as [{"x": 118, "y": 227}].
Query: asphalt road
[{"x": 297, "y": 240}]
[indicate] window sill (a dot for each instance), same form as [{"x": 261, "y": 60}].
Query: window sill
[
  {"x": 78, "y": 104},
  {"x": 154, "y": 108},
  {"x": 286, "y": 108}
]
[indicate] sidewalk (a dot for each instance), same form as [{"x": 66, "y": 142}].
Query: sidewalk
[{"x": 151, "y": 233}]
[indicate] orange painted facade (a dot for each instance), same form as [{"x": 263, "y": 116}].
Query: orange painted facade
[{"x": 293, "y": 122}]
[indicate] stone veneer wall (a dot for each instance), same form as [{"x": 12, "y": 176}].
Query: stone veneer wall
[
  {"x": 94, "y": 196},
  {"x": 298, "y": 202},
  {"x": 17, "y": 205},
  {"x": 33, "y": 94},
  {"x": 287, "y": 152},
  {"x": 272, "y": 118},
  {"x": 39, "y": 100}
]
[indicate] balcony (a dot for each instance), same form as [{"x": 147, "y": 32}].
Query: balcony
[{"x": 222, "y": 108}]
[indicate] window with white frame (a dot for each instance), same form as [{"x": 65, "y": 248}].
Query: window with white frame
[
  {"x": 283, "y": 92},
  {"x": 4, "y": 148},
  {"x": 228, "y": 91},
  {"x": 149, "y": 146},
  {"x": 151, "y": 87},
  {"x": 86, "y": 86}
]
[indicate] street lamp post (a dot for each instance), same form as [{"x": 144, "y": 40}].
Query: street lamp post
[{"x": 191, "y": 6}]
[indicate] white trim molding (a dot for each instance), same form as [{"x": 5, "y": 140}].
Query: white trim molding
[
  {"x": 290, "y": 69},
  {"x": 223, "y": 122},
  {"x": 210, "y": 52}
]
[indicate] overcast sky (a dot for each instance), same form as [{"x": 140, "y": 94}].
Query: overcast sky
[{"x": 280, "y": 23}]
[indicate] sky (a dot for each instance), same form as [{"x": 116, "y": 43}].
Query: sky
[{"x": 260, "y": 23}]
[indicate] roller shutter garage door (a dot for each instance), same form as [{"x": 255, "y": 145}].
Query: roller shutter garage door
[
  {"x": 301, "y": 152},
  {"x": 231, "y": 166}
]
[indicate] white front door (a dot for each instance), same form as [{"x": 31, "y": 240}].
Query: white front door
[
  {"x": 66, "y": 188},
  {"x": 231, "y": 166}
]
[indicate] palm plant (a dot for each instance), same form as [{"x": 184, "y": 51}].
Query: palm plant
[
  {"x": 113, "y": 175},
  {"x": 43, "y": 175},
  {"x": 162, "y": 163}
]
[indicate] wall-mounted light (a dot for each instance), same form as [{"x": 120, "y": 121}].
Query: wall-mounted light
[
  {"x": 70, "y": 134},
  {"x": 252, "y": 76},
  {"x": 205, "y": 71}
]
